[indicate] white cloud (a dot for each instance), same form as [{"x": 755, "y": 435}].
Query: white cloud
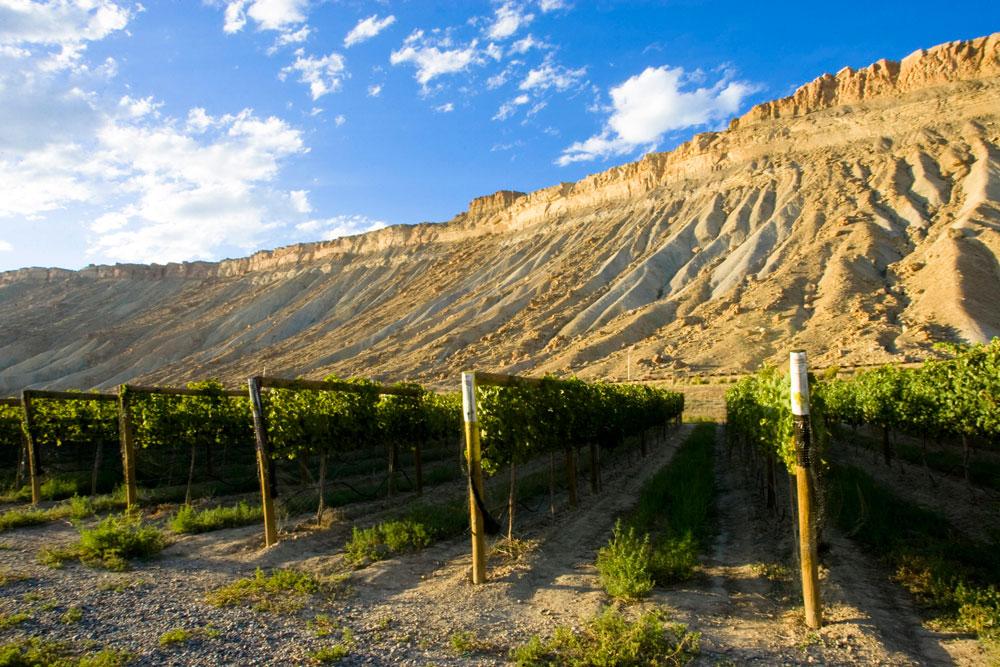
[
  {"x": 59, "y": 22},
  {"x": 552, "y": 5},
  {"x": 367, "y": 28},
  {"x": 137, "y": 108},
  {"x": 340, "y": 120},
  {"x": 338, "y": 226},
  {"x": 109, "y": 222},
  {"x": 507, "y": 109},
  {"x": 525, "y": 44},
  {"x": 435, "y": 57},
  {"x": 290, "y": 37},
  {"x": 187, "y": 195},
  {"x": 5, "y": 246},
  {"x": 324, "y": 75},
  {"x": 300, "y": 201},
  {"x": 198, "y": 120},
  {"x": 447, "y": 107},
  {"x": 497, "y": 79},
  {"x": 650, "y": 104},
  {"x": 550, "y": 75},
  {"x": 508, "y": 19},
  {"x": 280, "y": 15},
  {"x": 374, "y": 90}
]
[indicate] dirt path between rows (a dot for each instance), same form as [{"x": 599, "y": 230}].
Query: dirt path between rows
[
  {"x": 748, "y": 608},
  {"x": 974, "y": 510}
]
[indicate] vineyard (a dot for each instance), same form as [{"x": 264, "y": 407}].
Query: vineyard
[
  {"x": 572, "y": 494},
  {"x": 952, "y": 404}
]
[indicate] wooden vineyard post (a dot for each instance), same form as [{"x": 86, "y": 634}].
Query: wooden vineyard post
[
  {"x": 570, "y": 455},
  {"x": 803, "y": 462},
  {"x": 263, "y": 463},
  {"x": 27, "y": 427},
  {"x": 126, "y": 434},
  {"x": 472, "y": 456}
]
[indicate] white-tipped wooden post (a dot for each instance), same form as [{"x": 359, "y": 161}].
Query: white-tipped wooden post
[
  {"x": 799, "y": 372},
  {"x": 472, "y": 457}
]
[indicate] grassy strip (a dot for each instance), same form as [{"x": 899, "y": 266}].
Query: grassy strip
[
  {"x": 77, "y": 507},
  {"x": 110, "y": 544},
  {"x": 673, "y": 516},
  {"x": 190, "y": 520},
  {"x": 948, "y": 573},
  {"x": 280, "y": 591},
  {"x": 417, "y": 528},
  {"x": 612, "y": 639},
  {"x": 422, "y": 525},
  {"x": 34, "y": 652},
  {"x": 982, "y": 471}
]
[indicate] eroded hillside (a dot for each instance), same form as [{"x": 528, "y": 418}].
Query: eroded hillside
[{"x": 858, "y": 218}]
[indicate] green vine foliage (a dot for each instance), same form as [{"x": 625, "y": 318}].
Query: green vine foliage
[
  {"x": 10, "y": 443},
  {"x": 758, "y": 409},
  {"x": 521, "y": 421},
  {"x": 76, "y": 443},
  {"x": 956, "y": 396}
]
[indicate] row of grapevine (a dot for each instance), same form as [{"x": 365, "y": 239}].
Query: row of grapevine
[
  {"x": 199, "y": 442},
  {"x": 311, "y": 430},
  {"x": 956, "y": 397},
  {"x": 959, "y": 396},
  {"x": 520, "y": 421}
]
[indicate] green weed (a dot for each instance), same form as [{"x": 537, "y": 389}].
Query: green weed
[
  {"x": 110, "y": 544},
  {"x": 10, "y": 620},
  {"x": 624, "y": 564},
  {"x": 673, "y": 516},
  {"x": 72, "y": 615},
  {"x": 35, "y": 652},
  {"x": 948, "y": 573},
  {"x": 611, "y": 639},
  {"x": 417, "y": 528},
  {"x": 335, "y": 652},
  {"x": 190, "y": 520},
  {"x": 280, "y": 591}
]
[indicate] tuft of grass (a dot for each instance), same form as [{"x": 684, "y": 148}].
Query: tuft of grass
[
  {"x": 12, "y": 519},
  {"x": 322, "y": 625},
  {"x": 190, "y": 520},
  {"x": 335, "y": 652},
  {"x": 281, "y": 591},
  {"x": 110, "y": 544},
  {"x": 11, "y": 577},
  {"x": 659, "y": 541},
  {"x": 35, "y": 652},
  {"x": 75, "y": 508},
  {"x": 10, "y": 620},
  {"x": 71, "y": 615},
  {"x": 184, "y": 635},
  {"x": 120, "y": 584},
  {"x": 468, "y": 642},
  {"x": 419, "y": 527},
  {"x": 948, "y": 573},
  {"x": 624, "y": 564},
  {"x": 612, "y": 639}
]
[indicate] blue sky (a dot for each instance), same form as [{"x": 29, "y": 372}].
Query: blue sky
[{"x": 168, "y": 131}]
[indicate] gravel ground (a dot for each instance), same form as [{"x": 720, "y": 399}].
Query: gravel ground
[{"x": 405, "y": 611}]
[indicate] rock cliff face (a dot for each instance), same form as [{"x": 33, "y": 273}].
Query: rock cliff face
[{"x": 858, "y": 218}]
